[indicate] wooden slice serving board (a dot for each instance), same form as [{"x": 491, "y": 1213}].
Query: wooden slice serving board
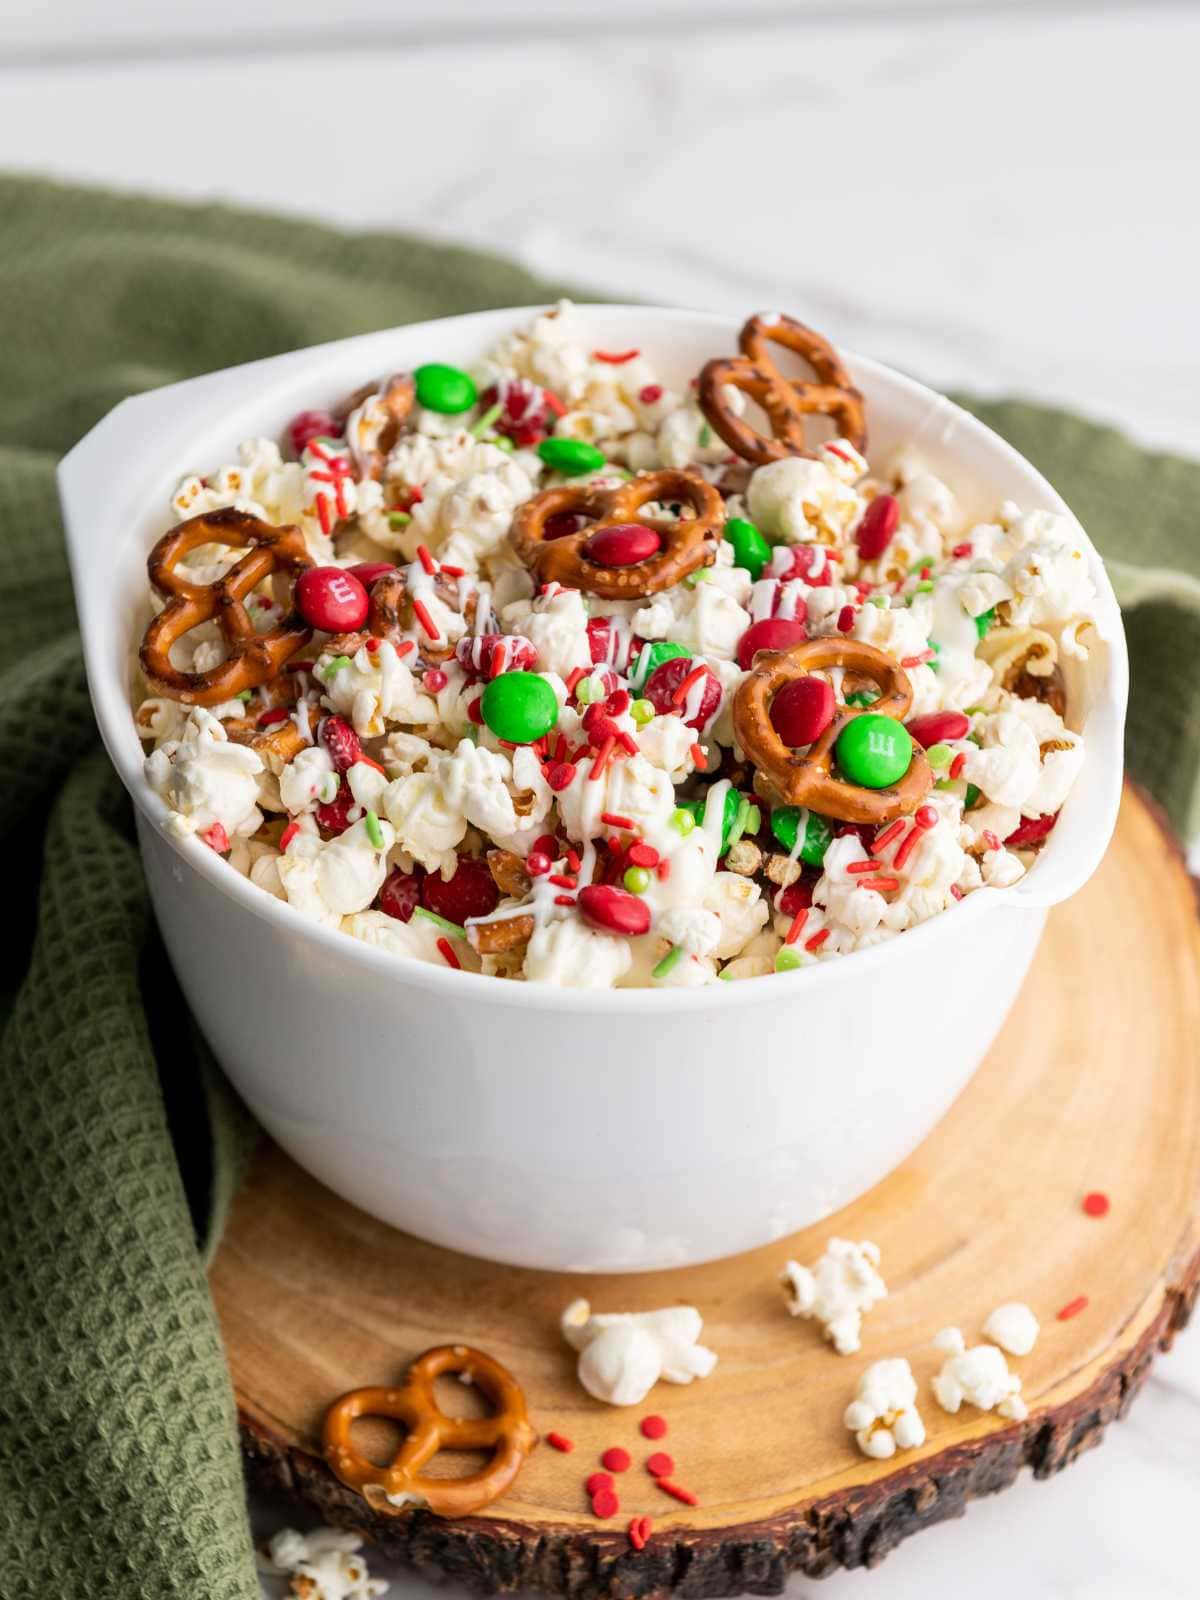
[{"x": 1093, "y": 1084}]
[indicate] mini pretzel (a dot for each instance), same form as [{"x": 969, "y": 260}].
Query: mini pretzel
[
  {"x": 397, "y": 397},
  {"x": 508, "y": 1434},
  {"x": 805, "y": 778},
  {"x": 786, "y": 401},
  {"x": 687, "y": 543},
  {"x": 254, "y": 658}
]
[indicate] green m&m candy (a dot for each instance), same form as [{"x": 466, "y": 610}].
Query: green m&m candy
[
  {"x": 818, "y": 834},
  {"x": 873, "y": 751},
  {"x": 750, "y": 549},
  {"x": 519, "y": 707},
  {"x": 445, "y": 389},
  {"x": 571, "y": 457},
  {"x": 733, "y": 805}
]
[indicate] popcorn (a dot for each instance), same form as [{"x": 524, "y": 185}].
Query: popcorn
[
  {"x": 619, "y": 791},
  {"x": 622, "y": 1355},
  {"x": 323, "y": 1565},
  {"x": 838, "y": 1291},
  {"x": 979, "y": 1376},
  {"x": 1013, "y": 1327},
  {"x": 883, "y": 1415}
]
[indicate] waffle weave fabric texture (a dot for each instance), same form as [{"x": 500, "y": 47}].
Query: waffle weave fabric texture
[{"x": 119, "y": 1145}]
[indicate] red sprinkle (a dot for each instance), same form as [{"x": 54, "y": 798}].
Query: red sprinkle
[
  {"x": 216, "y": 838},
  {"x": 561, "y": 881},
  {"x": 877, "y": 526},
  {"x": 698, "y": 756},
  {"x": 286, "y": 837},
  {"x": 907, "y": 845},
  {"x": 602, "y": 758},
  {"x": 616, "y": 1459},
  {"x": 642, "y": 855},
  {"x": 678, "y": 1492},
  {"x": 1073, "y": 1308},
  {"x": 598, "y": 1481},
  {"x": 270, "y": 718},
  {"x": 958, "y": 764},
  {"x": 888, "y": 834},
  {"x": 883, "y": 885},
  {"x": 448, "y": 955},
  {"x": 663, "y": 870},
  {"x": 572, "y": 859},
  {"x": 845, "y": 621},
  {"x": 577, "y": 674},
  {"x": 694, "y": 676},
  {"x": 426, "y": 560},
  {"x": 797, "y": 927},
  {"x": 1096, "y": 1204},
  {"x": 918, "y": 661},
  {"x": 605, "y": 1504},
  {"x": 650, "y": 394},
  {"x": 559, "y": 1441},
  {"x": 612, "y": 819},
  {"x": 856, "y": 868},
  {"x": 961, "y": 551},
  {"x": 660, "y": 1465},
  {"x": 654, "y": 1427},
  {"x": 639, "y": 1532},
  {"x": 564, "y": 900},
  {"x": 817, "y": 940},
  {"x": 615, "y": 358}
]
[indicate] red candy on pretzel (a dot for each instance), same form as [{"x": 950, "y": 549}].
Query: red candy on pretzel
[{"x": 618, "y": 554}]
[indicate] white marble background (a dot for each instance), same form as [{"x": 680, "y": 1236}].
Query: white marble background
[{"x": 996, "y": 196}]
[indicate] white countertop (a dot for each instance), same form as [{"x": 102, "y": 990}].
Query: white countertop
[{"x": 1000, "y": 198}]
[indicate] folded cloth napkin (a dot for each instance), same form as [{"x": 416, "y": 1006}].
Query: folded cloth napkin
[{"x": 119, "y": 1145}]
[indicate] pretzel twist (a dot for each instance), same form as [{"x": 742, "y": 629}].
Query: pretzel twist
[
  {"x": 786, "y": 401},
  {"x": 806, "y": 777},
  {"x": 254, "y": 658},
  {"x": 396, "y": 398},
  {"x": 508, "y": 1434},
  {"x": 687, "y": 542}
]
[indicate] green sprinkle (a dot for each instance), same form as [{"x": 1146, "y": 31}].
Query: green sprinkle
[
  {"x": 705, "y": 437},
  {"x": 503, "y": 442},
  {"x": 939, "y": 755},
  {"x": 642, "y": 712},
  {"x": 701, "y": 575},
  {"x": 636, "y": 880},
  {"x": 481, "y": 426},
  {"x": 922, "y": 588},
  {"x": 398, "y": 519},
  {"x": 669, "y": 962},
  {"x": 753, "y": 820},
  {"x": 945, "y": 783},
  {"x": 682, "y": 821},
  {"x": 925, "y": 561},
  {"x": 726, "y": 975},
  {"x": 972, "y": 796},
  {"x": 333, "y": 667},
  {"x": 984, "y": 621},
  {"x": 739, "y": 822},
  {"x": 245, "y": 696},
  {"x": 452, "y": 928},
  {"x": 863, "y": 697},
  {"x": 374, "y": 831},
  {"x": 583, "y": 691},
  {"x": 880, "y": 600},
  {"x": 787, "y": 959}
]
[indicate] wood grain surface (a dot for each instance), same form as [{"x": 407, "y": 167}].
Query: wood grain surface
[{"x": 1094, "y": 1083}]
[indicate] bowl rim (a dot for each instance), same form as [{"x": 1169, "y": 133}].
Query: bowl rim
[{"x": 110, "y": 701}]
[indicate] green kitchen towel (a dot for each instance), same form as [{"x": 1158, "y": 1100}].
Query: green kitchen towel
[{"x": 119, "y": 1149}]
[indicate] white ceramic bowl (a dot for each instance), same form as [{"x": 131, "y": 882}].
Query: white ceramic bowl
[{"x": 542, "y": 1127}]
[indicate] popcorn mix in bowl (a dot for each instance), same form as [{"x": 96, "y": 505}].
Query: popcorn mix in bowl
[{"x": 550, "y": 671}]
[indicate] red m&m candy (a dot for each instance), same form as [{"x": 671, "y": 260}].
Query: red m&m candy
[
  {"x": 367, "y": 572},
  {"x": 623, "y": 544},
  {"x": 876, "y": 526},
  {"x": 471, "y": 892},
  {"x": 938, "y": 727},
  {"x": 802, "y": 710},
  {"x": 309, "y": 425},
  {"x": 772, "y": 633},
  {"x": 332, "y": 599},
  {"x": 665, "y": 682},
  {"x": 615, "y": 910}
]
